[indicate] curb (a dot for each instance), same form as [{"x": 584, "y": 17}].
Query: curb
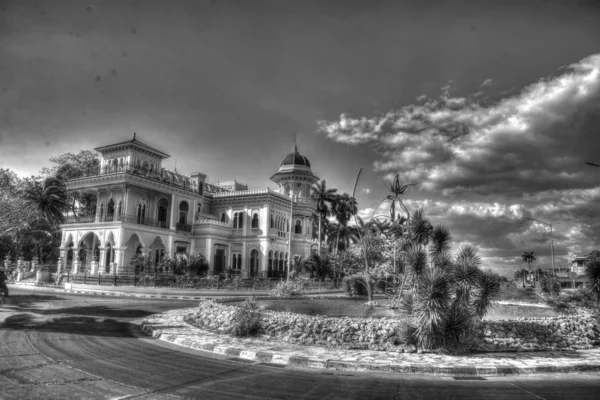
[{"x": 342, "y": 365}]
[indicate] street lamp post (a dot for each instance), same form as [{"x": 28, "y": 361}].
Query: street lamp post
[{"x": 551, "y": 240}]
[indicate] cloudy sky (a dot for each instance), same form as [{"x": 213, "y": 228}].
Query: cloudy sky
[{"x": 491, "y": 108}]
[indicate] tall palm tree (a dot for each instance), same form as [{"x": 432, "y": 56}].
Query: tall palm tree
[
  {"x": 528, "y": 257},
  {"x": 48, "y": 198},
  {"x": 325, "y": 199}
]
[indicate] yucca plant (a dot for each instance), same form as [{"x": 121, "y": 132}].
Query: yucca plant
[
  {"x": 431, "y": 306},
  {"x": 592, "y": 272}
]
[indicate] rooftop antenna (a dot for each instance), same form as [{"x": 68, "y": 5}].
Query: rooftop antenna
[
  {"x": 133, "y": 135},
  {"x": 175, "y": 164}
]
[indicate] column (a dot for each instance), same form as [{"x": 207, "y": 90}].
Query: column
[
  {"x": 76, "y": 261},
  {"x": 119, "y": 267},
  {"x": 102, "y": 260},
  {"x": 264, "y": 260},
  {"x": 174, "y": 208},
  {"x": 88, "y": 260}
]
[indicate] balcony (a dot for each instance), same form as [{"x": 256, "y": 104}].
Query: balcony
[
  {"x": 256, "y": 232},
  {"x": 132, "y": 219},
  {"x": 181, "y": 227},
  {"x": 237, "y": 232},
  {"x": 162, "y": 176},
  {"x": 211, "y": 226}
]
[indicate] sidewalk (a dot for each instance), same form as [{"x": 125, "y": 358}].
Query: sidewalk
[
  {"x": 151, "y": 292},
  {"x": 171, "y": 327}
]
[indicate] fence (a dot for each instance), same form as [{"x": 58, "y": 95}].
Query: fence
[{"x": 183, "y": 282}]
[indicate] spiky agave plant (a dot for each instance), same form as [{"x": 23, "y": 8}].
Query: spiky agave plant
[
  {"x": 592, "y": 272},
  {"x": 488, "y": 289},
  {"x": 431, "y": 306}
]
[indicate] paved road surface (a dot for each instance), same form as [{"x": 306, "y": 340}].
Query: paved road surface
[{"x": 57, "y": 346}]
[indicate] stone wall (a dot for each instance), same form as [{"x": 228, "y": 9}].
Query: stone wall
[{"x": 559, "y": 333}]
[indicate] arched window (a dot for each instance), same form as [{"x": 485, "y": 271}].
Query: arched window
[
  {"x": 183, "y": 212},
  {"x": 143, "y": 213},
  {"x": 120, "y": 208},
  {"x": 138, "y": 163},
  {"x": 255, "y": 220},
  {"x": 233, "y": 261},
  {"x": 272, "y": 222},
  {"x": 199, "y": 208},
  {"x": 110, "y": 209},
  {"x": 235, "y": 220},
  {"x": 163, "y": 207},
  {"x": 241, "y": 220},
  {"x": 223, "y": 217},
  {"x": 139, "y": 213},
  {"x": 145, "y": 166},
  {"x": 239, "y": 261},
  {"x": 298, "y": 227}
]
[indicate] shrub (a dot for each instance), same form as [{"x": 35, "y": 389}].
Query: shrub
[
  {"x": 550, "y": 285},
  {"x": 406, "y": 333},
  {"x": 247, "y": 320},
  {"x": 592, "y": 272},
  {"x": 289, "y": 288},
  {"x": 354, "y": 285}
]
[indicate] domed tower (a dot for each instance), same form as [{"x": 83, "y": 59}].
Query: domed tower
[{"x": 294, "y": 177}]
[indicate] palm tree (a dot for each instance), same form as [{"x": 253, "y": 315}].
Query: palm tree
[
  {"x": 528, "y": 257},
  {"x": 48, "y": 198},
  {"x": 325, "y": 199}
]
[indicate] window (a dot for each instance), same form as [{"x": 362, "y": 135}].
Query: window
[
  {"x": 241, "y": 221},
  {"x": 255, "y": 220},
  {"x": 272, "y": 222},
  {"x": 223, "y": 217},
  {"x": 235, "y": 220},
  {"x": 163, "y": 207},
  {"x": 120, "y": 208},
  {"x": 110, "y": 210},
  {"x": 199, "y": 208},
  {"x": 183, "y": 212},
  {"x": 298, "y": 227}
]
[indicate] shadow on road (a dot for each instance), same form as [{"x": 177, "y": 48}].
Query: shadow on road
[{"x": 70, "y": 325}]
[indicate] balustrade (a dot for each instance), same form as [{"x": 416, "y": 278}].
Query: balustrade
[{"x": 132, "y": 219}]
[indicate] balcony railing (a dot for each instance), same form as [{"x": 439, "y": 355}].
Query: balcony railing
[
  {"x": 163, "y": 176},
  {"x": 237, "y": 232},
  {"x": 82, "y": 219},
  {"x": 255, "y": 232},
  {"x": 183, "y": 227},
  {"x": 132, "y": 219}
]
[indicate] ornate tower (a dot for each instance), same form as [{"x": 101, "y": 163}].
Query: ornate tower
[{"x": 294, "y": 177}]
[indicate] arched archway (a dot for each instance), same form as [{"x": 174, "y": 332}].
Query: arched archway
[
  {"x": 89, "y": 252},
  {"x": 134, "y": 245},
  {"x": 157, "y": 251}
]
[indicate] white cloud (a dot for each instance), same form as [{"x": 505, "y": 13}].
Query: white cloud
[{"x": 366, "y": 190}]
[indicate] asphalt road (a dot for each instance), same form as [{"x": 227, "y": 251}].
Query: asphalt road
[{"x": 57, "y": 346}]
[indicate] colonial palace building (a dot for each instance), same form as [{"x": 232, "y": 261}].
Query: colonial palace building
[{"x": 143, "y": 208}]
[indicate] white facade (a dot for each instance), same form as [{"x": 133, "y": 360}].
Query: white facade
[{"x": 143, "y": 208}]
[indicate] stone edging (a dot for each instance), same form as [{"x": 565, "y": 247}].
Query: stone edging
[{"x": 186, "y": 335}]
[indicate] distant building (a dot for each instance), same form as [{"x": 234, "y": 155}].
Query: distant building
[{"x": 143, "y": 208}]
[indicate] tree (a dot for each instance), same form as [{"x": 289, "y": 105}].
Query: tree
[
  {"x": 325, "y": 199},
  {"x": 528, "y": 257},
  {"x": 71, "y": 166},
  {"x": 48, "y": 198}
]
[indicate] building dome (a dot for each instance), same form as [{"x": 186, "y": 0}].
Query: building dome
[{"x": 295, "y": 158}]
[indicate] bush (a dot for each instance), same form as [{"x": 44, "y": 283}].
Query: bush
[
  {"x": 550, "y": 285},
  {"x": 247, "y": 320},
  {"x": 289, "y": 288},
  {"x": 354, "y": 285}
]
